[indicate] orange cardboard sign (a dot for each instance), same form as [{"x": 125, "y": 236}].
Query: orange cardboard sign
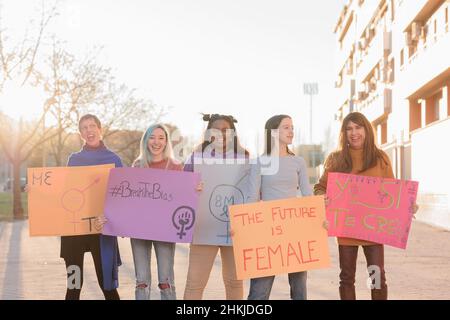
[
  {"x": 65, "y": 201},
  {"x": 277, "y": 237}
]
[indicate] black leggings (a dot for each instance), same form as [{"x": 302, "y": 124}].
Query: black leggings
[{"x": 78, "y": 260}]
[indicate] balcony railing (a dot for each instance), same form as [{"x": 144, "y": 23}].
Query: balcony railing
[
  {"x": 429, "y": 38},
  {"x": 371, "y": 56},
  {"x": 345, "y": 92},
  {"x": 377, "y": 104}
]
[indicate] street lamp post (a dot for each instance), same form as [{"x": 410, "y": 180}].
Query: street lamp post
[{"x": 311, "y": 89}]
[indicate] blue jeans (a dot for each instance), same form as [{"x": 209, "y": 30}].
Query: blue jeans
[
  {"x": 165, "y": 254},
  {"x": 260, "y": 287}
]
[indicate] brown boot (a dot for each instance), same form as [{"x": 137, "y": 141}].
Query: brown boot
[
  {"x": 347, "y": 262},
  {"x": 375, "y": 257},
  {"x": 379, "y": 294},
  {"x": 347, "y": 293}
]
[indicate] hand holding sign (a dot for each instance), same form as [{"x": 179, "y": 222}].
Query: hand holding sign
[
  {"x": 151, "y": 204},
  {"x": 66, "y": 200},
  {"x": 200, "y": 187},
  {"x": 282, "y": 236},
  {"x": 371, "y": 208},
  {"x": 223, "y": 187},
  {"x": 100, "y": 222}
]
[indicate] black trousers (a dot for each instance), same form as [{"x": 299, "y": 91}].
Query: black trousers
[{"x": 75, "y": 261}]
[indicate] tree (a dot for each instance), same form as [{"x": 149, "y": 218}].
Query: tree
[
  {"x": 85, "y": 86},
  {"x": 126, "y": 144},
  {"x": 124, "y": 117},
  {"x": 18, "y": 63},
  {"x": 74, "y": 85}
]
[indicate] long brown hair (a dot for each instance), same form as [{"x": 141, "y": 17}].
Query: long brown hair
[
  {"x": 273, "y": 124},
  {"x": 341, "y": 161}
]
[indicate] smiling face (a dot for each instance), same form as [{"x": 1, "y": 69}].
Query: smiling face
[
  {"x": 356, "y": 135},
  {"x": 90, "y": 132},
  {"x": 157, "y": 143},
  {"x": 286, "y": 131}
]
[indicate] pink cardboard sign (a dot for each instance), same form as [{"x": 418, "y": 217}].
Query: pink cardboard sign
[{"x": 374, "y": 209}]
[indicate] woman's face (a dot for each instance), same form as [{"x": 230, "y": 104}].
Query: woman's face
[
  {"x": 157, "y": 142},
  {"x": 219, "y": 133},
  {"x": 286, "y": 131},
  {"x": 90, "y": 132},
  {"x": 356, "y": 135}
]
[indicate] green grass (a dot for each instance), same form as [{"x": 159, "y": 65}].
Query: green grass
[{"x": 6, "y": 204}]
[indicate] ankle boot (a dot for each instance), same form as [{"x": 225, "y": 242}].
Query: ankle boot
[
  {"x": 347, "y": 293},
  {"x": 379, "y": 294}
]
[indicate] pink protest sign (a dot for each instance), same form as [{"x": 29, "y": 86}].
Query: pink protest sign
[
  {"x": 370, "y": 208},
  {"x": 151, "y": 204}
]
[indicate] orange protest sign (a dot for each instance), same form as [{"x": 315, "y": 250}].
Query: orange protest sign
[
  {"x": 281, "y": 236},
  {"x": 65, "y": 201}
]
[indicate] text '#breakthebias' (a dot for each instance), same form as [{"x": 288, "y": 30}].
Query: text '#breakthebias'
[{"x": 143, "y": 190}]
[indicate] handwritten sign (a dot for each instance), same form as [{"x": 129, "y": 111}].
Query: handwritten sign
[
  {"x": 370, "y": 208},
  {"x": 65, "y": 201},
  {"x": 281, "y": 236},
  {"x": 151, "y": 204},
  {"x": 223, "y": 185}
]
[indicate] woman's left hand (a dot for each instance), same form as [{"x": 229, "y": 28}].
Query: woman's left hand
[
  {"x": 327, "y": 201},
  {"x": 100, "y": 222},
  {"x": 199, "y": 187}
]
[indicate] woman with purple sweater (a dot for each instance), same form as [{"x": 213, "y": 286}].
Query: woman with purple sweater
[{"x": 104, "y": 249}]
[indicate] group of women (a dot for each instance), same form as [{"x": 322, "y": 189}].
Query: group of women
[{"x": 357, "y": 154}]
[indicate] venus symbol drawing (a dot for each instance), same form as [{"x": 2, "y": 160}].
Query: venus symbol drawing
[{"x": 73, "y": 201}]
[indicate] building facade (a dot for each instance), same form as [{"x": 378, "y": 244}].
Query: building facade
[{"x": 393, "y": 65}]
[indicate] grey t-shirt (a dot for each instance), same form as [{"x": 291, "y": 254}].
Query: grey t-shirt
[{"x": 291, "y": 176}]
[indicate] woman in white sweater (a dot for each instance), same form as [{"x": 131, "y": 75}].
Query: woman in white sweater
[{"x": 278, "y": 174}]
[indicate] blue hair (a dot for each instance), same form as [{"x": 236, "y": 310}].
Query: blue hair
[{"x": 145, "y": 156}]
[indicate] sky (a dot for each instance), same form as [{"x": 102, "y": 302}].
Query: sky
[{"x": 247, "y": 58}]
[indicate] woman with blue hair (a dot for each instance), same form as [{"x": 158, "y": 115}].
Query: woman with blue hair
[{"x": 155, "y": 152}]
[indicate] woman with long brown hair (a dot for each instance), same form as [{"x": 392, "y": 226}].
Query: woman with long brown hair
[
  {"x": 290, "y": 177},
  {"x": 359, "y": 155}
]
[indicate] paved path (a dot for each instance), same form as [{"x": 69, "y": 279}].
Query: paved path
[{"x": 30, "y": 268}]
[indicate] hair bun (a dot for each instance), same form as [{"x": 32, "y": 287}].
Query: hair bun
[
  {"x": 216, "y": 116},
  {"x": 232, "y": 119}
]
